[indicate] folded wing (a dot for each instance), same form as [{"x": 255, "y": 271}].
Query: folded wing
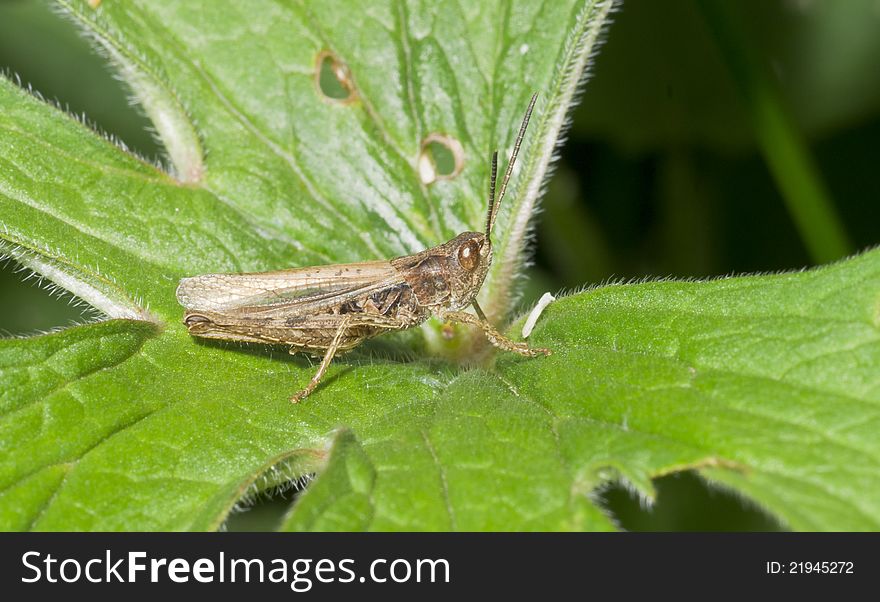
[{"x": 306, "y": 289}]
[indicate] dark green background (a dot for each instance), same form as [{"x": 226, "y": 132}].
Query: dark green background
[{"x": 660, "y": 175}]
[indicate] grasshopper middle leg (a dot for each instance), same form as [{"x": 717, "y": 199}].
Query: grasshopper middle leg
[
  {"x": 325, "y": 363},
  {"x": 348, "y": 322}
]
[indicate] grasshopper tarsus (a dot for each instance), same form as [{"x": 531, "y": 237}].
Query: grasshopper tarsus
[
  {"x": 331, "y": 309},
  {"x": 316, "y": 379},
  {"x": 541, "y": 351},
  {"x": 525, "y": 350}
]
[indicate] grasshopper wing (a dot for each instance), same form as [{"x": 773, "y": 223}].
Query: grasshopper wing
[{"x": 300, "y": 287}]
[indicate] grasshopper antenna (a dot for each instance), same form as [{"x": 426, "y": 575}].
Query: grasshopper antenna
[
  {"x": 489, "y": 214},
  {"x": 493, "y": 210}
]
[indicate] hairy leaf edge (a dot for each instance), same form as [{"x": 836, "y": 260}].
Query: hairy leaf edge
[
  {"x": 579, "y": 48},
  {"x": 165, "y": 109}
]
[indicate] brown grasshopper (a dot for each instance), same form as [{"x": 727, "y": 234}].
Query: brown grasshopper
[{"x": 331, "y": 309}]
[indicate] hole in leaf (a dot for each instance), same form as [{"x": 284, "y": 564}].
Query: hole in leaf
[
  {"x": 686, "y": 502},
  {"x": 441, "y": 158},
  {"x": 334, "y": 79},
  {"x": 264, "y": 512}
]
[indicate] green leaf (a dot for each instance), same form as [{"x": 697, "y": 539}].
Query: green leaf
[
  {"x": 266, "y": 171},
  {"x": 766, "y": 384}
]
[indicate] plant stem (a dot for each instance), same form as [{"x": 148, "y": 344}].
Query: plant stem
[{"x": 784, "y": 149}]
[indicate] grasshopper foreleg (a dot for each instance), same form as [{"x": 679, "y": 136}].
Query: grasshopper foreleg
[{"x": 492, "y": 335}]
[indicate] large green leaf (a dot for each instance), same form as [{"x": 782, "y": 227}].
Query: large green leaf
[{"x": 766, "y": 384}]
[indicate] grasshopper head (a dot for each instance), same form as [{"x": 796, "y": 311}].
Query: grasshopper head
[{"x": 470, "y": 255}]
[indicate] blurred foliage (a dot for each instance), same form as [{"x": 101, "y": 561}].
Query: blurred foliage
[
  {"x": 660, "y": 174},
  {"x": 661, "y": 162}
]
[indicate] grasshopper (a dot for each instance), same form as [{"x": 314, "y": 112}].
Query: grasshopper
[{"x": 333, "y": 308}]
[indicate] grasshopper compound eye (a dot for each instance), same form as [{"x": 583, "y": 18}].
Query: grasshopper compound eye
[{"x": 469, "y": 255}]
